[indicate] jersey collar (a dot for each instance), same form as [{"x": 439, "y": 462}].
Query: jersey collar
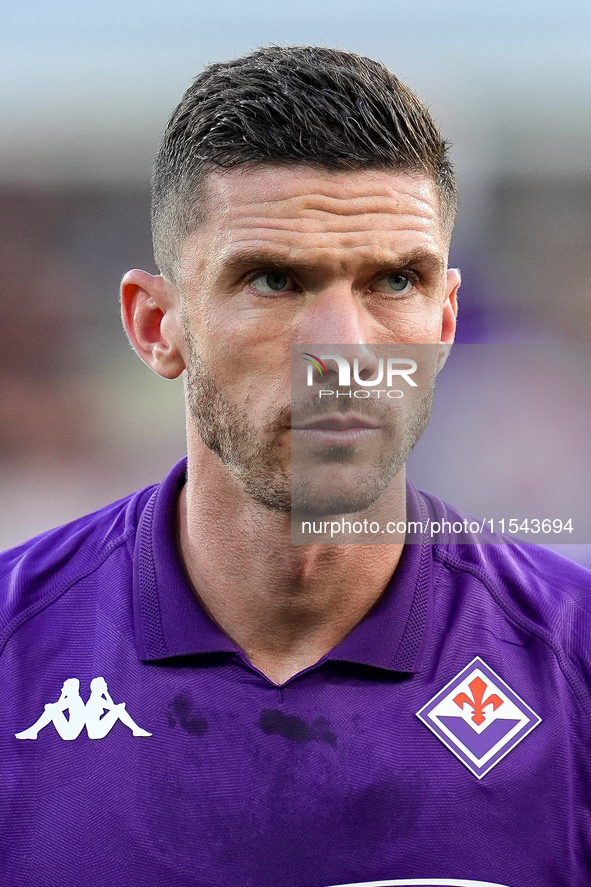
[{"x": 171, "y": 622}]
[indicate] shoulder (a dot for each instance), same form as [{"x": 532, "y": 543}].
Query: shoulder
[
  {"x": 544, "y": 596},
  {"x": 540, "y": 580},
  {"x": 536, "y": 585},
  {"x": 36, "y": 573}
]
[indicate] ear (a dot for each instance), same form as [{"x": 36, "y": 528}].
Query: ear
[
  {"x": 151, "y": 314},
  {"x": 450, "y": 306}
]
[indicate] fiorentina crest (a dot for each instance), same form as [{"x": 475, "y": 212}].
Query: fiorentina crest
[{"x": 478, "y": 717}]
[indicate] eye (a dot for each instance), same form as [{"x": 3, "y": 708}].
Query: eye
[
  {"x": 271, "y": 282},
  {"x": 393, "y": 284}
]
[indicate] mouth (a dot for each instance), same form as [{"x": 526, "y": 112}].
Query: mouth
[{"x": 336, "y": 430}]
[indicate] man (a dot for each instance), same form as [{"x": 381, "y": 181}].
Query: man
[{"x": 305, "y": 715}]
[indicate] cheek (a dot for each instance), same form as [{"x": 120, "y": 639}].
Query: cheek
[
  {"x": 243, "y": 346},
  {"x": 419, "y": 322},
  {"x": 252, "y": 369}
]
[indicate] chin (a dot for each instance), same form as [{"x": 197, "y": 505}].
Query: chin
[{"x": 317, "y": 500}]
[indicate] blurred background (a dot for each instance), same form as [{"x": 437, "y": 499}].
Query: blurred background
[{"x": 86, "y": 89}]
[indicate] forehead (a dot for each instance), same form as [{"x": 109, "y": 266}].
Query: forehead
[{"x": 319, "y": 214}]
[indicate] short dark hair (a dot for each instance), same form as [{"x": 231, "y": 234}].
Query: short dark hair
[{"x": 294, "y": 105}]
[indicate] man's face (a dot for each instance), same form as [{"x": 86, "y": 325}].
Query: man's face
[{"x": 293, "y": 255}]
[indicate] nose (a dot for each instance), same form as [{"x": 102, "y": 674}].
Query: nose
[
  {"x": 338, "y": 318},
  {"x": 334, "y": 317}
]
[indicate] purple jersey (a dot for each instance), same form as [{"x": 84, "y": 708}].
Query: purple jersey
[{"x": 444, "y": 741}]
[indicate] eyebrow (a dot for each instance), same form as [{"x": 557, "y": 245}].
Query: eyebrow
[{"x": 242, "y": 260}]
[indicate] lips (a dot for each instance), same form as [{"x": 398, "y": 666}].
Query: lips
[
  {"x": 337, "y": 431},
  {"x": 336, "y": 423}
]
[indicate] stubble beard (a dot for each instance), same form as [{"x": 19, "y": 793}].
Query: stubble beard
[
  {"x": 253, "y": 458},
  {"x": 228, "y": 432},
  {"x": 369, "y": 482}
]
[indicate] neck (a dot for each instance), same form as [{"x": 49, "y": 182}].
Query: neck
[{"x": 284, "y": 605}]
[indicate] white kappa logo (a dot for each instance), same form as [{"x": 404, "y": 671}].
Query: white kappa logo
[{"x": 98, "y": 715}]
